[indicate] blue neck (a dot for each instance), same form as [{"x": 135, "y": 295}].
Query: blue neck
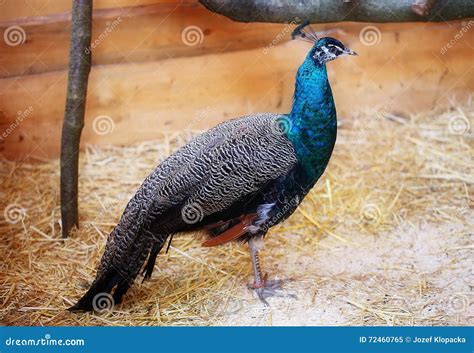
[{"x": 313, "y": 124}]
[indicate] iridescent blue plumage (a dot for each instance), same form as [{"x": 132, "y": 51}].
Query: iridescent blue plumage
[{"x": 312, "y": 119}]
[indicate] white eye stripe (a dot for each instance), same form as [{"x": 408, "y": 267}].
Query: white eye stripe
[{"x": 335, "y": 46}]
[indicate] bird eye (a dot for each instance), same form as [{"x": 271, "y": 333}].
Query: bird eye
[{"x": 334, "y": 49}]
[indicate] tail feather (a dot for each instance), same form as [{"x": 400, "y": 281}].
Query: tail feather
[
  {"x": 118, "y": 276},
  {"x": 148, "y": 270},
  {"x": 102, "y": 285},
  {"x": 138, "y": 235}
]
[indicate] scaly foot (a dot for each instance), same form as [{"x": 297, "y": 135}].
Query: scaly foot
[{"x": 269, "y": 288}]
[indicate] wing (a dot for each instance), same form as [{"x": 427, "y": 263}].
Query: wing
[
  {"x": 227, "y": 163},
  {"x": 238, "y": 160}
]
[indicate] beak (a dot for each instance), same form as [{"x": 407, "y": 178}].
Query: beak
[{"x": 350, "y": 52}]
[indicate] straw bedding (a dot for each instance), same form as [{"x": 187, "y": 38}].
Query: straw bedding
[{"x": 384, "y": 238}]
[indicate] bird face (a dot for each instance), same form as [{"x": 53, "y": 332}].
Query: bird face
[{"x": 327, "y": 49}]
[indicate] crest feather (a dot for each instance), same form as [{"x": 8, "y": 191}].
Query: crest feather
[{"x": 305, "y": 32}]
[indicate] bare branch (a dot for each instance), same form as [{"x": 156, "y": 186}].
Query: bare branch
[
  {"x": 79, "y": 68},
  {"x": 324, "y": 11}
]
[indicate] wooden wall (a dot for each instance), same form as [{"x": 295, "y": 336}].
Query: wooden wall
[{"x": 147, "y": 79}]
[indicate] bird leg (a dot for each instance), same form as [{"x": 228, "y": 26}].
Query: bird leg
[{"x": 262, "y": 285}]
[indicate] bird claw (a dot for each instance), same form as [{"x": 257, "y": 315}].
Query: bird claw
[{"x": 269, "y": 288}]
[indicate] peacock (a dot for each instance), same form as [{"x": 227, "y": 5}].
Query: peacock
[{"x": 235, "y": 181}]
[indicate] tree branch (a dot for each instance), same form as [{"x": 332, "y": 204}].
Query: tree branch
[
  {"x": 79, "y": 68},
  {"x": 324, "y": 11}
]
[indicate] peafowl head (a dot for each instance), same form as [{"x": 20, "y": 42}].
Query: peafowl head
[
  {"x": 327, "y": 49},
  {"x": 324, "y": 49}
]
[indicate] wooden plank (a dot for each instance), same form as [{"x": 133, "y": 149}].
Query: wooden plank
[
  {"x": 12, "y": 10},
  {"x": 130, "y": 34}
]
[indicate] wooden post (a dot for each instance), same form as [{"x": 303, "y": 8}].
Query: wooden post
[{"x": 79, "y": 68}]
